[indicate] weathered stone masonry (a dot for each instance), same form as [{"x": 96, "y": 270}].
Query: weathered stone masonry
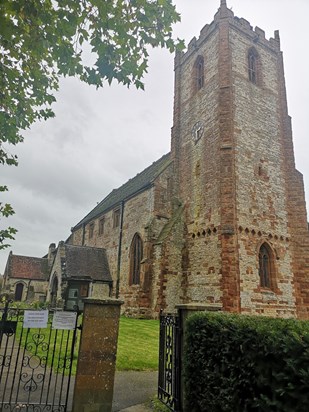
[
  {"x": 238, "y": 183},
  {"x": 222, "y": 218}
]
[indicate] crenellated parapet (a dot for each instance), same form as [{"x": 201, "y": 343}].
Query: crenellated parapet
[{"x": 256, "y": 35}]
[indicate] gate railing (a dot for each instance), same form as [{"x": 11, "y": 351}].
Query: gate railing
[
  {"x": 170, "y": 362},
  {"x": 36, "y": 363}
]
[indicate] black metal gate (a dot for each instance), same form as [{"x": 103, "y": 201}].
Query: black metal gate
[
  {"x": 170, "y": 362},
  {"x": 36, "y": 363}
]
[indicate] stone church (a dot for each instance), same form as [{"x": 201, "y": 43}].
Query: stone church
[{"x": 221, "y": 219}]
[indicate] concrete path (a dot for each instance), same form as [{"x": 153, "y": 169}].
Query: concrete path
[
  {"x": 137, "y": 408},
  {"x": 133, "y": 389}
]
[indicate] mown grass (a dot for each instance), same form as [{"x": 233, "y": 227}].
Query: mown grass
[
  {"x": 138, "y": 344},
  {"x": 157, "y": 406}
]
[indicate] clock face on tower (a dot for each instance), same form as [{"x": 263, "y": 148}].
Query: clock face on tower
[{"x": 197, "y": 131}]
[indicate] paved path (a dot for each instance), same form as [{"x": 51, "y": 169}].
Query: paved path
[
  {"x": 133, "y": 389},
  {"x": 137, "y": 408}
]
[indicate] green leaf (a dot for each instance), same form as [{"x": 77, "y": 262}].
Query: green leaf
[{"x": 41, "y": 41}]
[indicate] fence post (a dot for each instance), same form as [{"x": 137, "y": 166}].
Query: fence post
[
  {"x": 94, "y": 383},
  {"x": 184, "y": 311}
]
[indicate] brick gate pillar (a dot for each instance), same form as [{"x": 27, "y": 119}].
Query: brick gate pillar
[{"x": 94, "y": 383}]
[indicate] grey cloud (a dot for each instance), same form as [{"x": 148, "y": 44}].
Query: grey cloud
[{"x": 101, "y": 138}]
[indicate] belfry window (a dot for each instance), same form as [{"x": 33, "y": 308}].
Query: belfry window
[
  {"x": 252, "y": 65},
  {"x": 199, "y": 73},
  {"x": 136, "y": 256},
  {"x": 266, "y": 266}
]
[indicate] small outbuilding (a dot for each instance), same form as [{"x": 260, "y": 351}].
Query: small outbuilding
[
  {"x": 26, "y": 278},
  {"x": 78, "y": 272}
]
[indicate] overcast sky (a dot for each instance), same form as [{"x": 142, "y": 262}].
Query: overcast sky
[{"x": 100, "y": 139}]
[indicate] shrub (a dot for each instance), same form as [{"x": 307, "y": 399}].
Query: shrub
[{"x": 245, "y": 363}]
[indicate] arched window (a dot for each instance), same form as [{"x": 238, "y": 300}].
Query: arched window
[
  {"x": 199, "y": 73},
  {"x": 253, "y": 66},
  {"x": 136, "y": 256},
  {"x": 19, "y": 288},
  {"x": 266, "y": 266}
]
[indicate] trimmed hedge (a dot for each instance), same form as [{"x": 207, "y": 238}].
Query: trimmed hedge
[{"x": 245, "y": 363}]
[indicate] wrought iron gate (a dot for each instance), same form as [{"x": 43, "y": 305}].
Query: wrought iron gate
[
  {"x": 35, "y": 363},
  {"x": 170, "y": 362}
]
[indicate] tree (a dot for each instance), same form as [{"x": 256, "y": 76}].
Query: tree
[
  {"x": 6, "y": 210},
  {"x": 42, "y": 40}
]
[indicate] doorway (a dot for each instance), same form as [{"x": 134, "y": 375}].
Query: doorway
[{"x": 19, "y": 288}]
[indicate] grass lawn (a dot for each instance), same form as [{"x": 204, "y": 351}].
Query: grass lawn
[{"x": 138, "y": 344}]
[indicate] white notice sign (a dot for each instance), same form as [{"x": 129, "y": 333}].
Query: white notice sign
[
  {"x": 64, "y": 320},
  {"x": 35, "y": 319}
]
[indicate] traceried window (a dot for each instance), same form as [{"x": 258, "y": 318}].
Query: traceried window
[
  {"x": 136, "y": 256},
  {"x": 199, "y": 73},
  {"x": 266, "y": 266},
  {"x": 101, "y": 226},
  {"x": 253, "y": 66}
]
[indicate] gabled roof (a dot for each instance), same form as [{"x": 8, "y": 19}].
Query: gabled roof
[
  {"x": 86, "y": 262},
  {"x": 139, "y": 183},
  {"x": 26, "y": 267}
]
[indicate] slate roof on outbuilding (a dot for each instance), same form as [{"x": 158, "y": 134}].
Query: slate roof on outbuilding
[
  {"x": 87, "y": 262},
  {"x": 132, "y": 187},
  {"x": 26, "y": 267}
]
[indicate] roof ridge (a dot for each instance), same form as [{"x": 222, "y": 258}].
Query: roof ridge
[
  {"x": 132, "y": 186},
  {"x": 132, "y": 178},
  {"x": 28, "y": 257},
  {"x": 84, "y": 246}
]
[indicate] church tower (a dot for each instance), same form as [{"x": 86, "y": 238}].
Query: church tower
[{"x": 244, "y": 227}]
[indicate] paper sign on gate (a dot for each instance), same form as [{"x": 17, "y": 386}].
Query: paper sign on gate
[
  {"x": 35, "y": 319},
  {"x": 64, "y": 320}
]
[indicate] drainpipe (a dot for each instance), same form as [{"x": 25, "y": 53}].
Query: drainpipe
[{"x": 119, "y": 251}]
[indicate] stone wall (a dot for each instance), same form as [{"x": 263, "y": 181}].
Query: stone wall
[
  {"x": 168, "y": 271},
  {"x": 99, "y": 290},
  {"x": 56, "y": 272},
  {"x": 108, "y": 239},
  {"x": 199, "y": 276},
  {"x": 144, "y": 214},
  {"x": 33, "y": 290},
  {"x": 260, "y": 180},
  {"x": 228, "y": 191},
  {"x": 238, "y": 183}
]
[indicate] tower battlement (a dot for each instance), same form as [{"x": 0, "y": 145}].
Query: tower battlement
[
  {"x": 245, "y": 233},
  {"x": 256, "y": 35}
]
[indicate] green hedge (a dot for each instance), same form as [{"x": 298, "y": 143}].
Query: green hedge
[{"x": 245, "y": 363}]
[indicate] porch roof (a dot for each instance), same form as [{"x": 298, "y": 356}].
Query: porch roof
[{"x": 86, "y": 262}]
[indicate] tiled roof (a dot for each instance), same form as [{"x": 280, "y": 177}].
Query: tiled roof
[
  {"x": 27, "y": 267},
  {"x": 139, "y": 183},
  {"x": 87, "y": 262}
]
